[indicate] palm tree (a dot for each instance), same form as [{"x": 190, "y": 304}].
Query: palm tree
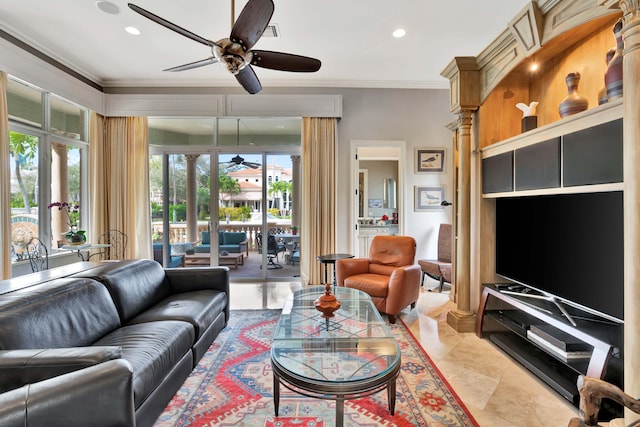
[
  {"x": 227, "y": 185},
  {"x": 23, "y": 148},
  {"x": 280, "y": 189}
]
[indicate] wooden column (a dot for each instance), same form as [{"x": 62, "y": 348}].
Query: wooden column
[
  {"x": 192, "y": 198},
  {"x": 464, "y": 83},
  {"x": 631, "y": 91},
  {"x": 453, "y": 127},
  {"x": 462, "y": 318}
]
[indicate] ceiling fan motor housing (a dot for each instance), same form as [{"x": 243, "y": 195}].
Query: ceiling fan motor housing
[{"x": 232, "y": 55}]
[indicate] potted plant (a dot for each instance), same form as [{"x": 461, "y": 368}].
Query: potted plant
[
  {"x": 72, "y": 211},
  {"x": 294, "y": 230}
]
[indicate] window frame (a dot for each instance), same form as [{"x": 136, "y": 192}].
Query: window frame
[{"x": 45, "y": 139}]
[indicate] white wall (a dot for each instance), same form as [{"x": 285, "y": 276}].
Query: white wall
[{"x": 417, "y": 117}]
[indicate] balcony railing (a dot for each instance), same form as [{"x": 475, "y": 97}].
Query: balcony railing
[{"x": 178, "y": 231}]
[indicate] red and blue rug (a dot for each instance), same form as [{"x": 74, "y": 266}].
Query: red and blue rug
[{"x": 233, "y": 386}]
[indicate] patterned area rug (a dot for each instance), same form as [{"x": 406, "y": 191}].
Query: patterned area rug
[{"x": 233, "y": 385}]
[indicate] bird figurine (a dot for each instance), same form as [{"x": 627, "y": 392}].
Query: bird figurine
[{"x": 527, "y": 110}]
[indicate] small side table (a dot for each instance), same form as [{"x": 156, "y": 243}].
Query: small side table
[
  {"x": 331, "y": 259},
  {"x": 84, "y": 247}
]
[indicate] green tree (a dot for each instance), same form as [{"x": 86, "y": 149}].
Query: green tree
[
  {"x": 280, "y": 189},
  {"x": 203, "y": 201},
  {"x": 227, "y": 185},
  {"x": 23, "y": 148}
]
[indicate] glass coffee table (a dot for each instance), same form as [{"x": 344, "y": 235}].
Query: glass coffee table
[{"x": 348, "y": 356}]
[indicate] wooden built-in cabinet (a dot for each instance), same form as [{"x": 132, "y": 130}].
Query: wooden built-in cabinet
[{"x": 592, "y": 151}]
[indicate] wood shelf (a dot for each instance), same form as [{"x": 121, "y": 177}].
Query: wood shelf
[{"x": 581, "y": 49}]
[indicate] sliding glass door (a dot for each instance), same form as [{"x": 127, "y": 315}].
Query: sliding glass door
[{"x": 229, "y": 202}]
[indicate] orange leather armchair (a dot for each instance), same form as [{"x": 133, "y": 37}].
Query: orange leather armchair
[{"x": 389, "y": 275}]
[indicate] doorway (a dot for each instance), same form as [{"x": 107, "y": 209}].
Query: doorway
[
  {"x": 213, "y": 175},
  {"x": 378, "y": 182}
]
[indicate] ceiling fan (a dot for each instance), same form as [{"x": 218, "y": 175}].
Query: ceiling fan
[
  {"x": 237, "y": 160},
  {"x": 235, "y": 51}
]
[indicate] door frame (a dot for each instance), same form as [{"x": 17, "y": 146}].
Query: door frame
[{"x": 388, "y": 150}]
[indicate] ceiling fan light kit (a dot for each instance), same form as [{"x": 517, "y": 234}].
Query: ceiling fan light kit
[{"x": 235, "y": 51}]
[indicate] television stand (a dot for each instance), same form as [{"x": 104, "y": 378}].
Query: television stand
[
  {"x": 557, "y": 343},
  {"x": 546, "y": 298}
]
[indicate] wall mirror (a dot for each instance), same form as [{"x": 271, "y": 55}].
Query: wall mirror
[{"x": 389, "y": 193}]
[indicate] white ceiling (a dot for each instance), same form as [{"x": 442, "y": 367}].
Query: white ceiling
[{"x": 352, "y": 38}]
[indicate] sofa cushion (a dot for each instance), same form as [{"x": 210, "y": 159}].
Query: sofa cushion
[
  {"x": 199, "y": 308},
  {"x": 206, "y": 237},
  {"x": 60, "y": 313},
  {"x": 234, "y": 237},
  {"x": 134, "y": 285},
  {"x": 373, "y": 284},
  {"x": 152, "y": 349}
]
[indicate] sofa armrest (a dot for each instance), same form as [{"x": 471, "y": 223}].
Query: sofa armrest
[
  {"x": 244, "y": 245},
  {"x": 349, "y": 267},
  {"x": 101, "y": 395},
  {"x": 22, "y": 367},
  {"x": 198, "y": 278},
  {"x": 404, "y": 287}
]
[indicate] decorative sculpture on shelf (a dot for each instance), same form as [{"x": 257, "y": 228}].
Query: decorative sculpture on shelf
[
  {"x": 529, "y": 118},
  {"x": 327, "y": 303},
  {"x": 602, "y": 93},
  {"x": 613, "y": 75},
  {"x": 574, "y": 102}
]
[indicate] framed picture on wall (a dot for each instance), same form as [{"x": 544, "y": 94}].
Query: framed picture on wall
[
  {"x": 429, "y": 160},
  {"x": 375, "y": 203},
  {"x": 428, "y": 198}
]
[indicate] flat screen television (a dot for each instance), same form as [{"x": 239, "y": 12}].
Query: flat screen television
[{"x": 567, "y": 245}]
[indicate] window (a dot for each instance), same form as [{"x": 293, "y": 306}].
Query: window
[
  {"x": 24, "y": 103},
  {"x": 46, "y": 163},
  {"x": 23, "y": 149},
  {"x": 67, "y": 119},
  {"x": 65, "y": 187}
]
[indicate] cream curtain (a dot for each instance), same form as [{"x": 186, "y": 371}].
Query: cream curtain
[
  {"x": 5, "y": 182},
  {"x": 318, "y": 216},
  {"x": 119, "y": 184}
]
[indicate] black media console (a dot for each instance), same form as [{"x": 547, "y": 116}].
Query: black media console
[{"x": 552, "y": 338}]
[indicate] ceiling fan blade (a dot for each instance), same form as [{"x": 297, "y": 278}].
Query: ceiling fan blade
[
  {"x": 251, "y": 165},
  {"x": 170, "y": 25},
  {"x": 196, "y": 64},
  {"x": 249, "y": 81},
  {"x": 252, "y": 22},
  {"x": 285, "y": 61}
]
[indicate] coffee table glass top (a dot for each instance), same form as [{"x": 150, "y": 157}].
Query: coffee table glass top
[{"x": 353, "y": 346}]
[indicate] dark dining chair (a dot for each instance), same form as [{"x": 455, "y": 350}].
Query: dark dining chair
[
  {"x": 439, "y": 269},
  {"x": 273, "y": 250}
]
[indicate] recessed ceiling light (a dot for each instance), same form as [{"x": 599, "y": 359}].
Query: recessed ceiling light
[
  {"x": 132, "y": 30},
  {"x": 534, "y": 66},
  {"x": 108, "y": 7},
  {"x": 399, "y": 33}
]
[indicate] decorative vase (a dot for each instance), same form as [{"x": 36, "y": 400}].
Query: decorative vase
[
  {"x": 613, "y": 75},
  {"x": 327, "y": 303},
  {"x": 602, "y": 93},
  {"x": 574, "y": 102}
]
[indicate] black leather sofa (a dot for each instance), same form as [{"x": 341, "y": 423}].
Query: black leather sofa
[{"x": 106, "y": 347}]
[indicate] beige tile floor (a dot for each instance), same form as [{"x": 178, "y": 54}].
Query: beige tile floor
[{"x": 498, "y": 391}]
